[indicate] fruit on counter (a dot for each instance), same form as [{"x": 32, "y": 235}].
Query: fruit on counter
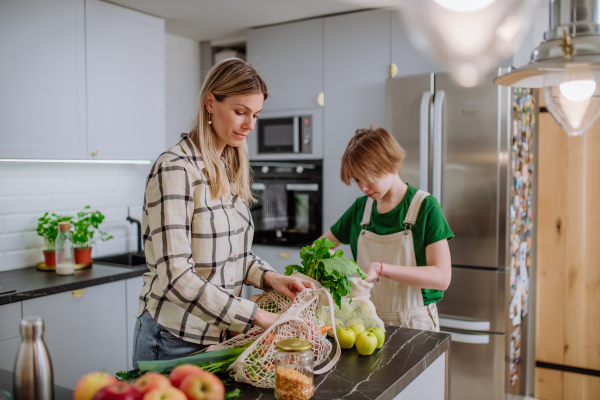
[
  {"x": 338, "y": 324},
  {"x": 366, "y": 342},
  {"x": 181, "y": 372},
  {"x": 357, "y": 328},
  {"x": 346, "y": 337},
  {"x": 380, "y": 335},
  {"x": 151, "y": 381},
  {"x": 203, "y": 386},
  {"x": 118, "y": 391},
  {"x": 169, "y": 393},
  {"x": 89, "y": 384}
]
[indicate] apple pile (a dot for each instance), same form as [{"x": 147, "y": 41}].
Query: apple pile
[
  {"x": 185, "y": 382},
  {"x": 366, "y": 341}
]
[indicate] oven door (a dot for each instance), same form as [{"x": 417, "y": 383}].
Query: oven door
[
  {"x": 279, "y": 135},
  {"x": 287, "y": 214}
]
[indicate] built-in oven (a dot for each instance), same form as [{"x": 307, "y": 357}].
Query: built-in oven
[
  {"x": 289, "y": 211},
  {"x": 287, "y": 135}
]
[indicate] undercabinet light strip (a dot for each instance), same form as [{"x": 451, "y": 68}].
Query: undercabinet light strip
[{"x": 42, "y": 160}]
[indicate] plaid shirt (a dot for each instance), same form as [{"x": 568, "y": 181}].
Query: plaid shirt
[{"x": 198, "y": 251}]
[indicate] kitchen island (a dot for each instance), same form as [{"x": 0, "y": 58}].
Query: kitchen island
[{"x": 411, "y": 365}]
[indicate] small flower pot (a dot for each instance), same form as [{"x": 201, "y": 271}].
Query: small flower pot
[
  {"x": 50, "y": 258},
  {"x": 83, "y": 256}
]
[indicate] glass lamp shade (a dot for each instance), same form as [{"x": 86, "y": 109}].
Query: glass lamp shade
[
  {"x": 572, "y": 96},
  {"x": 468, "y": 36}
]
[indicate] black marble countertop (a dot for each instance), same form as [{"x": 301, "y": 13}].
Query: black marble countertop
[
  {"x": 381, "y": 376},
  {"x": 6, "y": 383},
  {"x": 30, "y": 283}
]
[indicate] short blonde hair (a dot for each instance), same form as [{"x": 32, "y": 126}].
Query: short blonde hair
[
  {"x": 228, "y": 78},
  {"x": 370, "y": 154}
]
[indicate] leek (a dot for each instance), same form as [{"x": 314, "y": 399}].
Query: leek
[{"x": 202, "y": 358}]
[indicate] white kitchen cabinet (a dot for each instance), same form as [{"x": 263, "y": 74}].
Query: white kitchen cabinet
[
  {"x": 289, "y": 58},
  {"x": 8, "y": 353},
  {"x": 10, "y": 335},
  {"x": 133, "y": 287},
  {"x": 83, "y": 334},
  {"x": 42, "y": 76},
  {"x": 125, "y": 82}
]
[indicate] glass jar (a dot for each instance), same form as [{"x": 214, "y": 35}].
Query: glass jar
[
  {"x": 294, "y": 366},
  {"x": 65, "y": 263}
]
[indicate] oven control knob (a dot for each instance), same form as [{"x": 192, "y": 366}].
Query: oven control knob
[
  {"x": 299, "y": 169},
  {"x": 278, "y": 233},
  {"x": 265, "y": 169}
]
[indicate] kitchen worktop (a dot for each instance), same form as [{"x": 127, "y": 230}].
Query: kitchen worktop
[
  {"x": 406, "y": 354},
  {"x": 30, "y": 283}
]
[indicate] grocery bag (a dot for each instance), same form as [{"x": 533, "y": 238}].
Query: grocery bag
[{"x": 301, "y": 319}]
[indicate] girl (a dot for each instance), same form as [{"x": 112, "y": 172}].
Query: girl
[
  {"x": 392, "y": 230},
  {"x": 198, "y": 229}
]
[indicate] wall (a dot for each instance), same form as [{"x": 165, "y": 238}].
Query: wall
[{"x": 27, "y": 190}]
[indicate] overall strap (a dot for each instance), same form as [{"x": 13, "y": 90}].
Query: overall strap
[
  {"x": 413, "y": 209},
  {"x": 366, "y": 220}
]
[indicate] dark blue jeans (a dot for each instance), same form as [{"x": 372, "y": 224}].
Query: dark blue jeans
[{"x": 153, "y": 342}]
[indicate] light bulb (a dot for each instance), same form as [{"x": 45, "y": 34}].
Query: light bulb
[
  {"x": 464, "y": 6},
  {"x": 578, "y": 90}
]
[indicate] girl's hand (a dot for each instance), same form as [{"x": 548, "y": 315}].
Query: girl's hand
[
  {"x": 287, "y": 285},
  {"x": 372, "y": 271}
]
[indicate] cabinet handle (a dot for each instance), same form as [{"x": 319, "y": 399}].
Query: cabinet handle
[
  {"x": 321, "y": 99},
  {"x": 95, "y": 153},
  {"x": 78, "y": 292},
  {"x": 393, "y": 70},
  {"x": 285, "y": 256}
]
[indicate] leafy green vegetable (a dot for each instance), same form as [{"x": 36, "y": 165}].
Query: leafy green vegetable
[
  {"x": 202, "y": 358},
  {"x": 234, "y": 394},
  {"x": 331, "y": 270}
]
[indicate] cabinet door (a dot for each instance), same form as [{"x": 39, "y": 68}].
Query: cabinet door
[
  {"x": 134, "y": 288},
  {"x": 8, "y": 353},
  {"x": 42, "y": 76},
  {"x": 357, "y": 59},
  {"x": 83, "y": 334},
  {"x": 289, "y": 58},
  {"x": 125, "y": 82}
]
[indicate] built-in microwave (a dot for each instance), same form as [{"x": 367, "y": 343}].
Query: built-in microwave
[{"x": 285, "y": 135}]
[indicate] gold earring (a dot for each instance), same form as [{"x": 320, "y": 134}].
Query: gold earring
[{"x": 209, "y": 117}]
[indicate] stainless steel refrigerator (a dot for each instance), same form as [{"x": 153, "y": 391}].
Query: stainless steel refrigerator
[{"x": 472, "y": 149}]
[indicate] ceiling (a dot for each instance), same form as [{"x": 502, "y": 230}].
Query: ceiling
[{"x": 222, "y": 19}]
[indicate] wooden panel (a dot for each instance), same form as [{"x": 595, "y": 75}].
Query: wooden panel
[
  {"x": 548, "y": 384},
  {"x": 580, "y": 387}
]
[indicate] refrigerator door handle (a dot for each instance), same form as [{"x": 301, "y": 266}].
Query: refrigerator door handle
[
  {"x": 438, "y": 104},
  {"x": 424, "y": 141},
  {"x": 464, "y": 325},
  {"x": 468, "y": 338}
]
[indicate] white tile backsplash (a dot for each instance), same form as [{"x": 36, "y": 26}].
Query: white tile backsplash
[{"x": 27, "y": 190}]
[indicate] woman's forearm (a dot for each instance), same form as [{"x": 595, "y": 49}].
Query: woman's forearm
[{"x": 428, "y": 277}]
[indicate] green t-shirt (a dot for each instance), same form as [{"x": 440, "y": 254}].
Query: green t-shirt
[{"x": 431, "y": 226}]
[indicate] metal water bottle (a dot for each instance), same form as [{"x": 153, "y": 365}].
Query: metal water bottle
[{"x": 33, "y": 378}]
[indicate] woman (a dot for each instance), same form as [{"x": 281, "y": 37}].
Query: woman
[
  {"x": 198, "y": 229},
  {"x": 392, "y": 230}
]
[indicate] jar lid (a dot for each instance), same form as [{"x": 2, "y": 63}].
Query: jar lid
[
  {"x": 64, "y": 226},
  {"x": 294, "y": 345}
]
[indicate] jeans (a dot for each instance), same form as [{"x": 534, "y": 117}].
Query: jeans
[{"x": 153, "y": 342}]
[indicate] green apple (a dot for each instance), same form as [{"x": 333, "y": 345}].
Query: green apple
[
  {"x": 338, "y": 324},
  {"x": 357, "y": 328},
  {"x": 380, "y": 334},
  {"x": 366, "y": 342},
  {"x": 364, "y": 310},
  {"x": 354, "y": 321},
  {"x": 371, "y": 322},
  {"x": 346, "y": 337}
]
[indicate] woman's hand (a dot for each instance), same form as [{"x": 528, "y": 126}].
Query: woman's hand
[
  {"x": 287, "y": 285},
  {"x": 264, "y": 319},
  {"x": 372, "y": 271}
]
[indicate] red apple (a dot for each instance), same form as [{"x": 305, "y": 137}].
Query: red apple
[
  {"x": 151, "y": 381},
  {"x": 203, "y": 386},
  {"x": 181, "y": 372},
  {"x": 118, "y": 391},
  {"x": 169, "y": 393},
  {"x": 89, "y": 384}
]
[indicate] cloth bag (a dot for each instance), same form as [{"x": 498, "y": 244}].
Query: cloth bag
[{"x": 301, "y": 318}]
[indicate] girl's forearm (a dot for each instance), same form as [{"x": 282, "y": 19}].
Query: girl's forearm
[{"x": 428, "y": 277}]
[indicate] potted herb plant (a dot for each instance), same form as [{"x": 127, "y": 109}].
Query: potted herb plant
[
  {"x": 48, "y": 229},
  {"x": 85, "y": 233}
]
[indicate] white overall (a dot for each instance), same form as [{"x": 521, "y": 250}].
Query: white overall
[{"x": 397, "y": 304}]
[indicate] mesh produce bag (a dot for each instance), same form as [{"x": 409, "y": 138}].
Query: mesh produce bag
[{"x": 299, "y": 319}]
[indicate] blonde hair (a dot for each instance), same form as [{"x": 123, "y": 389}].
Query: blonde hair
[
  {"x": 228, "y": 78},
  {"x": 370, "y": 154}
]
